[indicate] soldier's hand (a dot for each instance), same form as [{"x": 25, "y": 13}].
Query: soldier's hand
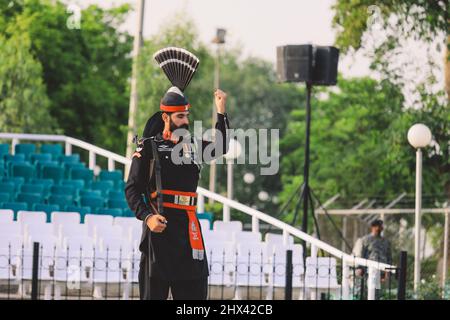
[
  {"x": 220, "y": 99},
  {"x": 157, "y": 223}
]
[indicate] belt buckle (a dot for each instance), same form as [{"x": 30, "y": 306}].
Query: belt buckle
[{"x": 184, "y": 200}]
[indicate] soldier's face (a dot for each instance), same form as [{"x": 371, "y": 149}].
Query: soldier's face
[
  {"x": 179, "y": 120},
  {"x": 377, "y": 230}
]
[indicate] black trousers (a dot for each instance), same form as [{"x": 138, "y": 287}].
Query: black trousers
[{"x": 195, "y": 289}]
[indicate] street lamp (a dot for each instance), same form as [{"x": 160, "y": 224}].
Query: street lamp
[
  {"x": 219, "y": 39},
  {"x": 234, "y": 151},
  {"x": 419, "y": 136}
]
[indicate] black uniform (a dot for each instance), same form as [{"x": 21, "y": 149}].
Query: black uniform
[{"x": 166, "y": 259}]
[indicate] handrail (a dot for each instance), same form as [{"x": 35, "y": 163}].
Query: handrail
[{"x": 258, "y": 215}]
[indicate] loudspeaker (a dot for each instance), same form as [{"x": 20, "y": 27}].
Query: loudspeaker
[
  {"x": 325, "y": 66},
  {"x": 294, "y": 63}
]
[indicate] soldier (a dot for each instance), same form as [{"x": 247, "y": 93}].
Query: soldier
[
  {"x": 161, "y": 190},
  {"x": 373, "y": 247}
]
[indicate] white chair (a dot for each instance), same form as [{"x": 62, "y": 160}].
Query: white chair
[
  {"x": 71, "y": 230},
  {"x": 320, "y": 275},
  {"x": 107, "y": 231},
  {"x": 222, "y": 263},
  {"x": 231, "y": 226},
  {"x": 6, "y": 216},
  {"x": 10, "y": 246},
  {"x": 204, "y": 224},
  {"x": 277, "y": 267},
  {"x": 93, "y": 220},
  {"x": 251, "y": 259},
  {"x": 246, "y": 237},
  {"x": 33, "y": 231},
  {"x": 216, "y": 236},
  {"x": 31, "y": 217},
  {"x": 14, "y": 229},
  {"x": 65, "y": 218}
]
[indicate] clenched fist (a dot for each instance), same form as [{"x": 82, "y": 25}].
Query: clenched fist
[
  {"x": 220, "y": 99},
  {"x": 157, "y": 223}
]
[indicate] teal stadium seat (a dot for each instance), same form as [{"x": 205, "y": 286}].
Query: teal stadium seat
[
  {"x": 116, "y": 195},
  {"x": 46, "y": 183},
  {"x": 54, "y": 149},
  {"x": 43, "y": 157},
  {"x": 17, "y": 181},
  {"x": 84, "y": 174},
  {"x": 4, "y": 197},
  {"x": 69, "y": 166},
  {"x": 61, "y": 200},
  {"x": 117, "y": 204},
  {"x": 92, "y": 202},
  {"x": 54, "y": 173},
  {"x": 63, "y": 190},
  {"x": 25, "y": 171},
  {"x": 90, "y": 193},
  {"x": 33, "y": 188},
  {"x": 3, "y": 172},
  {"x": 26, "y": 149},
  {"x": 29, "y": 199},
  {"x": 128, "y": 213},
  {"x": 103, "y": 186},
  {"x": 73, "y": 158},
  {"x": 114, "y": 176},
  {"x": 7, "y": 187},
  {"x": 4, "y": 149}
]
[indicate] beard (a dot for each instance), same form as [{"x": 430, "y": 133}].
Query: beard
[{"x": 174, "y": 127}]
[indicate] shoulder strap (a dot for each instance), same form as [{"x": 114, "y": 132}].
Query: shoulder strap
[{"x": 157, "y": 171}]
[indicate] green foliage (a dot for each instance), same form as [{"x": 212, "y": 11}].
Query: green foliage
[{"x": 24, "y": 104}]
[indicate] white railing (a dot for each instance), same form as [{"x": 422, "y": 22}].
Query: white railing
[{"x": 348, "y": 261}]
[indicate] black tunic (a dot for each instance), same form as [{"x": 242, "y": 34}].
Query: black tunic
[{"x": 168, "y": 255}]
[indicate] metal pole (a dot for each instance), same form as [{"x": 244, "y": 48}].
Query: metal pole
[
  {"x": 35, "y": 272},
  {"x": 212, "y": 168},
  {"x": 138, "y": 40},
  {"x": 417, "y": 226},
  {"x": 226, "y": 210},
  {"x": 402, "y": 266},
  {"x": 289, "y": 270},
  {"x": 444, "y": 264},
  {"x": 306, "y": 166},
  {"x": 344, "y": 233}
]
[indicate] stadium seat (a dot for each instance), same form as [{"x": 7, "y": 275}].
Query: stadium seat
[
  {"x": 44, "y": 157},
  {"x": 4, "y": 149},
  {"x": 6, "y": 216},
  {"x": 32, "y": 188},
  {"x": 58, "y": 218},
  {"x": 10, "y": 229},
  {"x": 54, "y": 149},
  {"x": 77, "y": 184},
  {"x": 29, "y": 199},
  {"x": 84, "y": 174},
  {"x": 117, "y": 204},
  {"x": 40, "y": 164},
  {"x": 45, "y": 183},
  {"x": 92, "y": 202},
  {"x": 31, "y": 217},
  {"x": 90, "y": 193},
  {"x": 320, "y": 273},
  {"x": 277, "y": 266},
  {"x": 10, "y": 244},
  {"x": 17, "y": 158},
  {"x": 116, "y": 195},
  {"x": 3, "y": 171},
  {"x": 272, "y": 239},
  {"x": 63, "y": 190},
  {"x": 61, "y": 200},
  {"x": 5, "y": 197},
  {"x": 204, "y": 224},
  {"x": 92, "y": 220},
  {"x": 206, "y": 215},
  {"x": 221, "y": 259},
  {"x": 53, "y": 172},
  {"x": 73, "y": 158},
  {"x": 7, "y": 187},
  {"x": 246, "y": 237},
  {"x": 16, "y": 181},
  {"x": 103, "y": 186},
  {"x": 128, "y": 225},
  {"x": 128, "y": 213},
  {"x": 26, "y": 171},
  {"x": 26, "y": 149},
  {"x": 231, "y": 226},
  {"x": 68, "y": 167},
  {"x": 114, "y": 176}
]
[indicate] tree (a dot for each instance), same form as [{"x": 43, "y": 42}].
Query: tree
[
  {"x": 24, "y": 105},
  {"x": 85, "y": 70},
  {"x": 423, "y": 20}
]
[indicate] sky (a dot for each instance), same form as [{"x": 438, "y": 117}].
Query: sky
[{"x": 258, "y": 26}]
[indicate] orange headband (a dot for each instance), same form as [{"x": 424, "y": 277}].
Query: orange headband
[{"x": 174, "y": 108}]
